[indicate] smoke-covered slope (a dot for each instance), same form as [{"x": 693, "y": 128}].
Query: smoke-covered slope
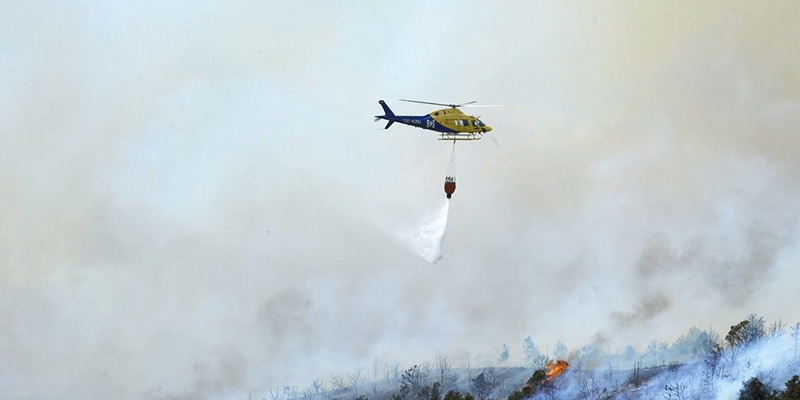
[{"x": 702, "y": 364}]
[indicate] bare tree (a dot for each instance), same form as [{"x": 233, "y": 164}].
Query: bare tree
[
  {"x": 275, "y": 394},
  {"x": 655, "y": 352},
  {"x": 426, "y": 369},
  {"x": 444, "y": 375},
  {"x": 467, "y": 366},
  {"x": 392, "y": 374},
  {"x": 708, "y": 384},
  {"x": 635, "y": 378},
  {"x": 317, "y": 383},
  {"x": 706, "y": 345},
  {"x": 376, "y": 368},
  {"x": 540, "y": 361},
  {"x": 776, "y": 329},
  {"x": 337, "y": 382},
  {"x": 355, "y": 378},
  {"x": 290, "y": 392},
  {"x": 589, "y": 387},
  {"x": 676, "y": 391},
  {"x": 560, "y": 351},
  {"x": 609, "y": 374},
  {"x": 794, "y": 364},
  {"x": 413, "y": 380},
  {"x": 576, "y": 359}
]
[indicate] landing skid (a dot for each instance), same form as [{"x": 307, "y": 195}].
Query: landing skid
[{"x": 459, "y": 136}]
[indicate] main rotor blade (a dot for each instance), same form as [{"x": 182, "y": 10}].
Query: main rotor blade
[
  {"x": 427, "y": 102},
  {"x": 485, "y": 105},
  {"x": 467, "y": 104}
]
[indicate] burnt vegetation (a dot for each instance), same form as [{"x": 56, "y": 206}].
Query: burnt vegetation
[{"x": 752, "y": 360}]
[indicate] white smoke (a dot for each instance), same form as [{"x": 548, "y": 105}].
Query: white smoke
[{"x": 428, "y": 239}]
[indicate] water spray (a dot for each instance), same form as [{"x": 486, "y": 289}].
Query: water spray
[{"x": 429, "y": 239}]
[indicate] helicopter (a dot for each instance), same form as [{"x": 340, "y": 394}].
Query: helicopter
[{"x": 450, "y": 122}]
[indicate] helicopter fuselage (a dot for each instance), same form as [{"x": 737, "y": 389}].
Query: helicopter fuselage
[{"x": 451, "y": 123}]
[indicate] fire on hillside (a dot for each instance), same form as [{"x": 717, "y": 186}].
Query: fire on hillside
[{"x": 556, "y": 369}]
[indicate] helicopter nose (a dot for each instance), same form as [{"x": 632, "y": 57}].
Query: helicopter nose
[{"x": 488, "y": 128}]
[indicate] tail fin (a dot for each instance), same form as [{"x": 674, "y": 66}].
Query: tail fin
[
  {"x": 386, "y": 109},
  {"x": 387, "y": 114}
]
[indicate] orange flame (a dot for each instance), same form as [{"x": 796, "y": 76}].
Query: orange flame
[{"x": 556, "y": 369}]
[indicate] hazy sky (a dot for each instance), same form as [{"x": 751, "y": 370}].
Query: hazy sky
[{"x": 195, "y": 201}]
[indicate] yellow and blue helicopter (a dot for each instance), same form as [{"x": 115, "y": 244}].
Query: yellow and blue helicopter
[{"x": 451, "y": 123}]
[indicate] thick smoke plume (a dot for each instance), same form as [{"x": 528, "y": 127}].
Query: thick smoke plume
[{"x": 194, "y": 203}]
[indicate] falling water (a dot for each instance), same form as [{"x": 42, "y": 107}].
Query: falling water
[{"x": 428, "y": 240}]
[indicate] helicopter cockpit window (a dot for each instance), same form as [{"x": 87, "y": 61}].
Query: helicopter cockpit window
[
  {"x": 474, "y": 122},
  {"x": 480, "y": 123}
]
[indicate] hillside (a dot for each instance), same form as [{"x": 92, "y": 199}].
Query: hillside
[{"x": 752, "y": 359}]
